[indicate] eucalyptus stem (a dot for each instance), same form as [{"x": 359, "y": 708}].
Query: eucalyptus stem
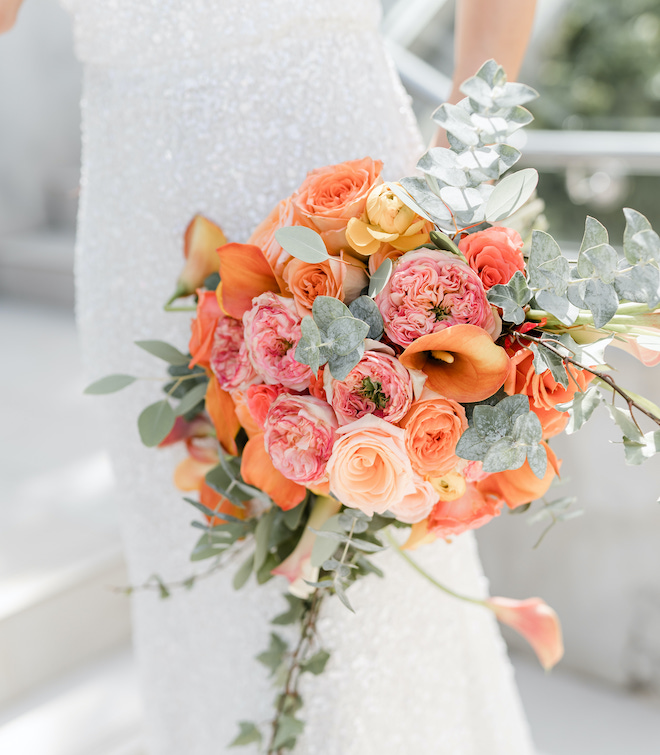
[
  {"x": 420, "y": 570},
  {"x": 621, "y": 317}
]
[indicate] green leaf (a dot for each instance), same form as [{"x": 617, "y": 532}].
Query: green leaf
[
  {"x": 471, "y": 446},
  {"x": 527, "y": 429},
  {"x": 288, "y": 729},
  {"x": 327, "y": 309},
  {"x": 402, "y": 193},
  {"x": 248, "y": 735},
  {"x": 366, "y": 309},
  {"x": 273, "y": 657},
  {"x": 595, "y": 234},
  {"x": 635, "y": 223},
  {"x": 380, "y": 278},
  {"x": 293, "y": 614},
  {"x": 598, "y": 262},
  {"x": 164, "y": 351},
  {"x": 503, "y": 455},
  {"x": 155, "y": 423},
  {"x": 109, "y": 384},
  {"x": 324, "y": 548},
  {"x": 457, "y": 122},
  {"x": 637, "y": 452},
  {"x": 442, "y": 163},
  {"x": 243, "y": 573},
  {"x": 341, "y": 594},
  {"x": 563, "y": 309},
  {"x": 308, "y": 353},
  {"x": 346, "y": 334},
  {"x": 546, "y": 359},
  {"x": 444, "y": 243},
  {"x": 624, "y": 420},
  {"x": 219, "y": 479},
  {"x": 292, "y": 517},
  {"x": 310, "y": 330},
  {"x": 643, "y": 247},
  {"x": 490, "y": 422},
  {"x": 538, "y": 460},
  {"x": 547, "y": 268},
  {"x": 602, "y": 300},
  {"x": 424, "y": 198},
  {"x": 317, "y": 663},
  {"x": 340, "y": 366},
  {"x": 510, "y": 194},
  {"x": 511, "y": 298},
  {"x": 581, "y": 408},
  {"x": 302, "y": 243},
  {"x": 262, "y": 538},
  {"x": 641, "y": 283},
  {"x": 514, "y": 406},
  {"x": 194, "y": 396}
]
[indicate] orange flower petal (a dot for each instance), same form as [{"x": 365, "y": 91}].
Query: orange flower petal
[
  {"x": 468, "y": 365},
  {"x": 536, "y": 622},
  {"x": 214, "y": 501},
  {"x": 245, "y": 273},
  {"x": 200, "y": 244},
  {"x": 190, "y": 473},
  {"x": 220, "y": 407},
  {"x": 257, "y": 469},
  {"x": 419, "y": 535}
]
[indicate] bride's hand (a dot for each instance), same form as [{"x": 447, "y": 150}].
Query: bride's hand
[{"x": 8, "y": 13}]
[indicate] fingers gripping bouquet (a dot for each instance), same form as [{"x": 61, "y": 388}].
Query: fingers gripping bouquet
[{"x": 392, "y": 355}]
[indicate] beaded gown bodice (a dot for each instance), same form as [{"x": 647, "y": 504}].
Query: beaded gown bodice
[{"x": 222, "y": 107}]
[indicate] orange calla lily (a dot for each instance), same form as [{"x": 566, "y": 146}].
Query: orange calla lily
[
  {"x": 419, "y": 535},
  {"x": 520, "y": 486},
  {"x": 214, "y": 501},
  {"x": 220, "y": 407},
  {"x": 190, "y": 473},
  {"x": 536, "y": 622},
  {"x": 461, "y": 362},
  {"x": 245, "y": 273},
  {"x": 257, "y": 469},
  {"x": 203, "y": 329},
  {"x": 200, "y": 244}
]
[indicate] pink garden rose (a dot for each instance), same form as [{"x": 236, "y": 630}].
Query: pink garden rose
[
  {"x": 299, "y": 435},
  {"x": 379, "y": 384},
  {"x": 418, "y": 505},
  {"x": 229, "y": 360},
  {"x": 430, "y": 291},
  {"x": 272, "y": 332},
  {"x": 369, "y": 468}
]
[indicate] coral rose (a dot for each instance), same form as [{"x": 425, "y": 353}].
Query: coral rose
[
  {"x": 379, "y": 384},
  {"x": 299, "y": 435},
  {"x": 203, "y": 328},
  {"x": 259, "y": 399},
  {"x": 494, "y": 254},
  {"x": 433, "y": 427},
  {"x": 229, "y": 360},
  {"x": 342, "y": 279},
  {"x": 471, "y": 511},
  {"x": 418, "y": 505},
  {"x": 272, "y": 332},
  {"x": 369, "y": 468},
  {"x": 387, "y": 220},
  {"x": 329, "y": 197},
  {"x": 543, "y": 390},
  {"x": 430, "y": 291}
]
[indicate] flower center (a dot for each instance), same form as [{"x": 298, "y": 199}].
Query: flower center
[{"x": 373, "y": 391}]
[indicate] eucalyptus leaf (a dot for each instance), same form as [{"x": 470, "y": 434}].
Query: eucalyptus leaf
[
  {"x": 490, "y": 422},
  {"x": 243, "y": 573},
  {"x": 109, "y": 384},
  {"x": 346, "y": 334},
  {"x": 527, "y": 429},
  {"x": 502, "y": 455},
  {"x": 426, "y": 199},
  {"x": 598, "y": 262},
  {"x": 471, "y": 446},
  {"x": 340, "y": 366},
  {"x": 262, "y": 538},
  {"x": 288, "y": 729},
  {"x": 302, "y": 243},
  {"x": 457, "y": 123},
  {"x": 510, "y": 194},
  {"x": 514, "y": 407},
  {"x": 602, "y": 300},
  {"x": 643, "y": 247},
  {"x": 194, "y": 396},
  {"x": 595, "y": 234},
  {"x": 625, "y": 421},
  {"x": 341, "y": 594},
  {"x": 324, "y": 548},
  {"x": 640, "y": 283},
  {"x": 443, "y": 164},
  {"x": 164, "y": 351},
  {"x": 380, "y": 278},
  {"x": 365, "y": 309},
  {"x": 581, "y": 408},
  {"x": 293, "y": 614},
  {"x": 560, "y": 307},
  {"x": 327, "y": 309},
  {"x": 444, "y": 243},
  {"x": 401, "y": 191},
  {"x": 248, "y": 734},
  {"x": 635, "y": 222},
  {"x": 273, "y": 657},
  {"x": 637, "y": 452},
  {"x": 537, "y": 458},
  {"x": 155, "y": 423}
]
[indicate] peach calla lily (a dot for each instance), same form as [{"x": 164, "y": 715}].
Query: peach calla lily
[
  {"x": 190, "y": 473},
  {"x": 257, "y": 470},
  {"x": 220, "y": 408},
  {"x": 200, "y": 244},
  {"x": 245, "y": 273},
  {"x": 461, "y": 362},
  {"x": 297, "y": 566},
  {"x": 536, "y": 622},
  {"x": 520, "y": 486}
]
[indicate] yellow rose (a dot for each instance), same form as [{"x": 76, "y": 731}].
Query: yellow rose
[{"x": 386, "y": 220}]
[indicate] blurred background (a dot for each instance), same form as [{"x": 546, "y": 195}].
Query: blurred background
[{"x": 67, "y": 681}]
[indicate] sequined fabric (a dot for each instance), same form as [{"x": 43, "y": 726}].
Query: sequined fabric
[{"x": 222, "y": 108}]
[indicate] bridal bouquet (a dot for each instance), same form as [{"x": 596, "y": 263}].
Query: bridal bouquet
[{"x": 384, "y": 356}]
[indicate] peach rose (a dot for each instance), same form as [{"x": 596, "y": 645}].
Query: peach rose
[
  {"x": 386, "y": 252},
  {"x": 264, "y": 236},
  {"x": 543, "y": 390},
  {"x": 418, "y": 505},
  {"x": 494, "y": 254},
  {"x": 329, "y": 197},
  {"x": 342, "y": 279},
  {"x": 471, "y": 511},
  {"x": 433, "y": 427},
  {"x": 369, "y": 468},
  {"x": 387, "y": 220}
]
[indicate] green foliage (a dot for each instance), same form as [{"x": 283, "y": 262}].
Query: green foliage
[
  {"x": 293, "y": 614},
  {"x": 155, "y": 423},
  {"x": 554, "y": 512},
  {"x": 503, "y": 436},
  {"x": 274, "y": 656},
  {"x": 365, "y": 309},
  {"x": 164, "y": 351},
  {"x": 109, "y": 384},
  {"x": 380, "y": 278},
  {"x": 302, "y": 243},
  {"x": 249, "y": 734},
  {"x": 511, "y": 298}
]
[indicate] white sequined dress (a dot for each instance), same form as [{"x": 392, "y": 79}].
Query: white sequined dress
[{"x": 221, "y": 107}]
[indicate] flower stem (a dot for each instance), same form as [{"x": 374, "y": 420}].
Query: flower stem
[{"x": 411, "y": 562}]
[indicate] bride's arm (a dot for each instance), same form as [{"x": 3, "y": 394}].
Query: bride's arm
[
  {"x": 487, "y": 29},
  {"x": 8, "y": 12}
]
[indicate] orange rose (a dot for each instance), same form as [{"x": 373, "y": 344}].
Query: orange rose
[
  {"x": 543, "y": 390},
  {"x": 329, "y": 197},
  {"x": 552, "y": 421},
  {"x": 471, "y": 511},
  {"x": 519, "y": 486},
  {"x": 433, "y": 427},
  {"x": 494, "y": 254},
  {"x": 264, "y": 237},
  {"x": 343, "y": 280},
  {"x": 203, "y": 328}
]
